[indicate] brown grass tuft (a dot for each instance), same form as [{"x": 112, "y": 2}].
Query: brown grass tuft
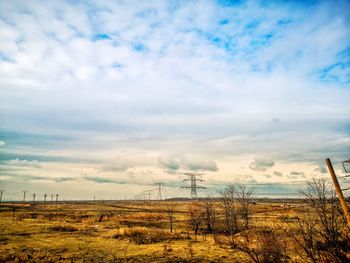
[{"x": 147, "y": 235}]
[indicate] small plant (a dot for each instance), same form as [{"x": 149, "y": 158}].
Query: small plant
[
  {"x": 167, "y": 250},
  {"x": 190, "y": 250}
]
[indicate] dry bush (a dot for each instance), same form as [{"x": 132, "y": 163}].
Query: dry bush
[
  {"x": 209, "y": 219},
  {"x": 88, "y": 219},
  {"x": 27, "y": 216},
  {"x": 147, "y": 235},
  {"x": 202, "y": 218},
  {"x": 265, "y": 247},
  {"x": 63, "y": 228},
  {"x": 322, "y": 233}
]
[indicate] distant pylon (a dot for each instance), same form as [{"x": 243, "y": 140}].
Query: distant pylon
[
  {"x": 193, "y": 178},
  {"x": 24, "y": 195},
  {"x": 1, "y": 191},
  {"x": 148, "y": 194},
  {"x": 159, "y": 187}
]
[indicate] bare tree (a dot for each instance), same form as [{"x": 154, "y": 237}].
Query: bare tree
[
  {"x": 236, "y": 201},
  {"x": 244, "y": 199},
  {"x": 196, "y": 217},
  {"x": 209, "y": 216},
  {"x": 228, "y": 199}
]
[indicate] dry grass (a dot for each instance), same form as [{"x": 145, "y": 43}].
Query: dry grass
[
  {"x": 127, "y": 232},
  {"x": 148, "y": 235}
]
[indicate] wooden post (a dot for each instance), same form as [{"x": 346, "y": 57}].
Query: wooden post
[{"x": 338, "y": 189}]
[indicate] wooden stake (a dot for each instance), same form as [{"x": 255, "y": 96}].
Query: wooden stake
[{"x": 338, "y": 189}]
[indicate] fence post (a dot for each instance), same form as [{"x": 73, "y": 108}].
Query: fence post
[{"x": 338, "y": 189}]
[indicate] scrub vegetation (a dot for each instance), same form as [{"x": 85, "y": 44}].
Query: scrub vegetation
[{"x": 234, "y": 227}]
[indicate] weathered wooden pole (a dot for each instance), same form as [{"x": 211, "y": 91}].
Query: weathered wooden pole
[{"x": 338, "y": 189}]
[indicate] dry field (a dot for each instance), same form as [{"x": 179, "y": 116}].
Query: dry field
[{"x": 140, "y": 231}]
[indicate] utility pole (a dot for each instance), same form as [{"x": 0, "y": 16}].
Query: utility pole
[
  {"x": 51, "y": 198},
  {"x": 338, "y": 189},
  {"x": 159, "y": 187},
  {"x": 34, "y": 198},
  {"x": 45, "y": 199},
  {"x": 1, "y": 191},
  {"x": 24, "y": 195},
  {"x": 193, "y": 178}
]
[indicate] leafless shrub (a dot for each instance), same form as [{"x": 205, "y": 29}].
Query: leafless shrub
[
  {"x": 228, "y": 198},
  {"x": 167, "y": 249},
  {"x": 244, "y": 199},
  {"x": 322, "y": 233},
  {"x": 190, "y": 250},
  {"x": 196, "y": 217},
  {"x": 236, "y": 200},
  {"x": 64, "y": 228},
  {"x": 266, "y": 247},
  {"x": 208, "y": 216}
]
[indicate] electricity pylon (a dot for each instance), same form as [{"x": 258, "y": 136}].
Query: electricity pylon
[
  {"x": 24, "y": 195},
  {"x": 193, "y": 178},
  {"x": 160, "y": 189},
  {"x": 148, "y": 194},
  {"x": 1, "y": 191}
]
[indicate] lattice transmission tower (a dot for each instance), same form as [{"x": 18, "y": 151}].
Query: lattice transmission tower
[
  {"x": 159, "y": 190},
  {"x": 193, "y": 178}
]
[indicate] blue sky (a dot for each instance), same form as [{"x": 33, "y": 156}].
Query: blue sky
[{"x": 113, "y": 96}]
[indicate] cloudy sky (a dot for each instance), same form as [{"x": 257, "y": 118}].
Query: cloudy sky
[{"x": 107, "y": 98}]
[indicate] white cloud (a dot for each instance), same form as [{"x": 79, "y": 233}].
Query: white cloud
[
  {"x": 24, "y": 163},
  {"x": 188, "y": 79},
  {"x": 261, "y": 164},
  {"x": 192, "y": 163}
]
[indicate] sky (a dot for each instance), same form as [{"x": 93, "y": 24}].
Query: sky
[{"x": 107, "y": 98}]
